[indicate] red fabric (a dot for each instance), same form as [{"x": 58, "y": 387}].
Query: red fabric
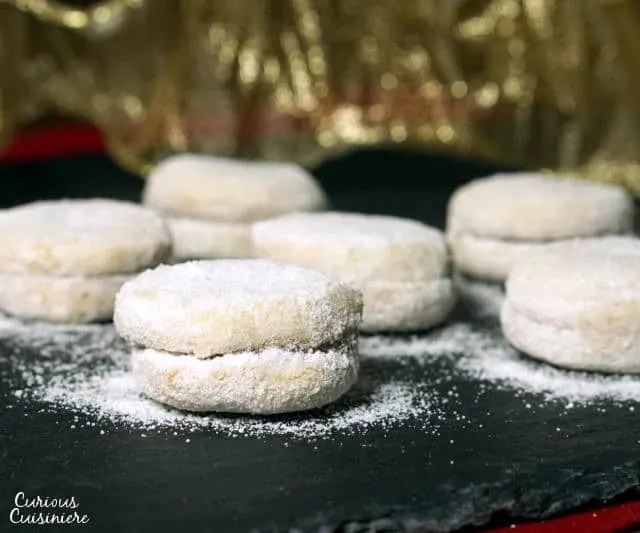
[
  {"x": 68, "y": 140},
  {"x": 57, "y": 141},
  {"x": 608, "y": 520}
]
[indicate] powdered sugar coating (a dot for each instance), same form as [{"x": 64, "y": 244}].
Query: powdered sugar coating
[
  {"x": 355, "y": 248},
  {"x": 70, "y": 299},
  {"x": 577, "y": 304},
  {"x": 195, "y": 238},
  {"x": 92, "y": 237},
  {"x": 591, "y": 284},
  {"x": 486, "y": 258},
  {"x": 614, "y": 349},
  {"x": 406, "y": 306},
  {"x": 531, "y": 206},
  {"x": 216, "y": 307},
  {"x": 271, "y": 381},
  {"x": 230, "y": 190}
]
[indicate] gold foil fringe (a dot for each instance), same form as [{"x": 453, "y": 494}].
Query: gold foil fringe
[{"x": 536, "y": 83}]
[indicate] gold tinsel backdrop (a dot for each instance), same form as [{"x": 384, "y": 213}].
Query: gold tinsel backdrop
[{"x": 538, "y": 83}]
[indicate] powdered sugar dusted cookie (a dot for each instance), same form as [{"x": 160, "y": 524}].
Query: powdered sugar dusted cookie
[
  {"x": 195, "y": 238},
  {"x": 274, "y": 380},
  {"x": 228, "y": 190},
  {"x": 93, "y": 237},
  {"x": 240, "y": 336},
  {"x": 65, "y": 260},
  {"x": 578, "y": 305},
  {"x": 210, "y": 308},
  {"x": 492, "y": 221},
  {"x": 400, "y": 265}
]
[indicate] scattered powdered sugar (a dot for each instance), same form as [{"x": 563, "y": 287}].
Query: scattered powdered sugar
[
  {"x": 411, "y": 379},
  {"x": 493, "y": 360},
  {"x": 448, "y": 341},
  {"x": 85, "y": 370},
  {"x": 479, "y": 351},
  {"x": 120, "y": 401}
]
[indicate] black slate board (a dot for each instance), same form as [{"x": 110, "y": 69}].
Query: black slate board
[{"x": 503, "y": 459}]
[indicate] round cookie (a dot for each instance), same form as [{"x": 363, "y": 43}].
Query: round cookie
[
  {"x": 195, "y": 238},
  {"x": 209, "y": 308},
  {"x": 93, "y": 237},
  {"x": 271, "y": 381},
  {"x": 577, "y": 305},
  {"x": 71, "y": 299},
  {"x": 491, "y": 222},
  {"x": 400, "y": 265},
  {"x": 227, "y": 190}
]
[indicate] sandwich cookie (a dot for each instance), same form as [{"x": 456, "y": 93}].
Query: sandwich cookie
[
  {"x": 400, "y": 265},
  {"x": 209, "y": 203},
  {"x": 577, "y": 305},
  {"x": 240, "y": 336},
  {"x": 495, "y": 221},
  {"x": 65, "y": 260}
]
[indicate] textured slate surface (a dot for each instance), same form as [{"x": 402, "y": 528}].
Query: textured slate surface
[{"x": 502, "y": 460}]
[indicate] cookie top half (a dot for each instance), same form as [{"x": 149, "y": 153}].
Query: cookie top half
[
  {"x": 211, "y": 308},
  {"x": 230, "y": 190},
  {"x": 82, "y": 237},
  {"x": 530, "y": 206}
]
